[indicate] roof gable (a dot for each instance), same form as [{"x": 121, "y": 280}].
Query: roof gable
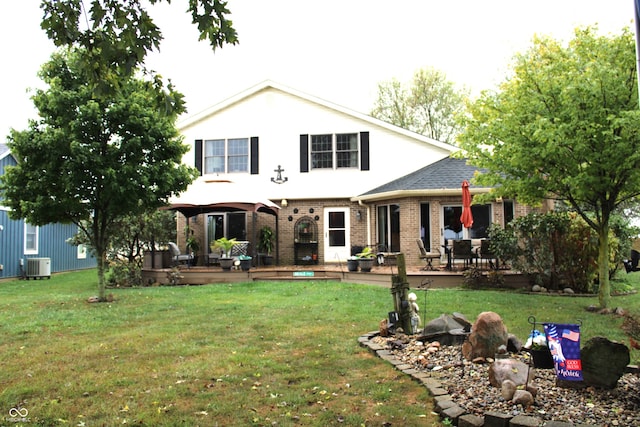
[
  {"x": 183, "y": 125},
  {"x": 4, "y": 151}
]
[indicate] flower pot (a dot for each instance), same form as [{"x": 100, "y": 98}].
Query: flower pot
[
  {"x": 245, "y": 264},
  {"x": 352, "y": 264},
  {"x": 226, "y": 263},
  {"x": 542, "y": 358},
  {"x": 365, "y": 264},
  {"x": 266, "y": 259}
]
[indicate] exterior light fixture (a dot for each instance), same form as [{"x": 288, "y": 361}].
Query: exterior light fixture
[
  {"x": 284, "y": 202},
  {"x": 358, "y": 215},
  {"x": 279, "y": 179}
]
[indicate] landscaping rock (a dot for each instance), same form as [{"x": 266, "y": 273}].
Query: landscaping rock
[
  {"x": 487, "y": 334},
  {"x": 522, "y": 397},
  {"x": 508, "y": 389},
  {"x": 509, "y": 369},
  {"x": 603, "y": 362}
]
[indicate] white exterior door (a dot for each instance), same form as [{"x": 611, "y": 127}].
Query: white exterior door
[{"x": 336, "y": 234}]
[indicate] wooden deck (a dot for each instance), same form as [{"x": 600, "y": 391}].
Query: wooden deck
[{"x": 379, "y": 275}]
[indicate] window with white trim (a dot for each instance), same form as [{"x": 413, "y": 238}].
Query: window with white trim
[
  {"x": 226, "y": 155},
  {"x": 334, "y": 151},
  {"x": 30, "y": 239}
]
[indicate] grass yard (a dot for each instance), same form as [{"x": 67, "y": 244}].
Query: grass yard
[{"x": 268, "y": 353}]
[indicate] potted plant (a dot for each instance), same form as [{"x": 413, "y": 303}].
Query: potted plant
[
  {"x": 245, "y": 262},
  {"x": 352, "y": 263},
  {"x": 224, "y": 245},
  {"x": 193, "y": 247},
  {"x": 266, "y": 244},
  {"x": 537, "y": 346},
  {"x": 366, "y": 259}
]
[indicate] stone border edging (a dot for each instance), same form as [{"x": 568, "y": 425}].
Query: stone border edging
[{"x": 444, "y": 404}]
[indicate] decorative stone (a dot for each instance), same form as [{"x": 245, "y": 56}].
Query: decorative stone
[
  {"x": 522, "y": 397},
  {"x": 568, "y": 291},
  {"x": 445, "y": 329},
  {"x": 514, "y": 344},
  {"x": 508, "y": 389},
  {"x": 603, "y": 362},
  {"x": 496, "y": 419},
  {"x": 525, "y": 421},
  {"x": 487, "y": 334},
  {"x": 470, "y": 420},
  {"x": 508, "y": 369},
  {"x": 453, "y": 413},
  {"x": 536, "y": 288}
]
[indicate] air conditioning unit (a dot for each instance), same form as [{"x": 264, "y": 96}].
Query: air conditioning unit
[{"x": 39, "y": 268}]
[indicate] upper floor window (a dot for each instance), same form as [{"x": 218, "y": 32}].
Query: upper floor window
[
  {"x": 331, "y": 151},
  {"x": 226, "y": 155},
  {"x": 30, "y": 238}
]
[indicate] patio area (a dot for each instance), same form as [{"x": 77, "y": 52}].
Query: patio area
[{"x": 380, "y": 275}]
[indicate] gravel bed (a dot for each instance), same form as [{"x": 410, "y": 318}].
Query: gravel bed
[{"x": 468, "y": 385}]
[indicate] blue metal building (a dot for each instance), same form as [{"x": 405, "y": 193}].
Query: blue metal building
[{"x": 20, "y": 241}]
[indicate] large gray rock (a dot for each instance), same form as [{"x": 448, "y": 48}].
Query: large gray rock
[
  {"x": 502, "y": 370},
  {"x": 487, "y": 334},
  {"x": 448, "y": 330},
  {"x": 603, "y": 362}
]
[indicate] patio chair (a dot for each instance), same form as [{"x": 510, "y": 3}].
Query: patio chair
[
  {"x": 427, "y": 257},
  {"x": 240, "y": 248},
  {"x": 178, "y": 257},
  {"x": 462, "y": 250},
  {"x": 485, "y": 253}
]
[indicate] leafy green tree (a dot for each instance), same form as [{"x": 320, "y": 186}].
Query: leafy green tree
[
  {"x": 94, "y": 160},
  {"x": 564, "y": 126},
  {"x": 118, "y": 34},
  {"x": 429, "y": 106}
]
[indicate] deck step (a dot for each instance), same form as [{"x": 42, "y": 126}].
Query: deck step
[{"x": 294, "y": 278}]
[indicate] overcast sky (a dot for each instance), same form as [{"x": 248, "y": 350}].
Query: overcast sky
[{"x": 338, "y": 50}]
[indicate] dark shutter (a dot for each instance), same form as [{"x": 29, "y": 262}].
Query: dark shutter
[
  {"x": 254, "y": 156},
  {"x": 198, "y": 159},
  {"x": 364, "y": 151},
  {"x": 304, "y": 153}
]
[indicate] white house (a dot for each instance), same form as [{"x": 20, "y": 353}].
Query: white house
[{"x": 319, "y": 162}]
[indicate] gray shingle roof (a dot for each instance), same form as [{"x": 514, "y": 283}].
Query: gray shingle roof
[{"x": 445, "y": 174}]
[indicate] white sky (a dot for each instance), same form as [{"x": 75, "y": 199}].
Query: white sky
[{"x": 338, "y": 50}]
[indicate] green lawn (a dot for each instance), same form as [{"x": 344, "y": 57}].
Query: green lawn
[{"x": 268, "y": 353}]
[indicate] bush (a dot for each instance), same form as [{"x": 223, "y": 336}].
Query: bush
[{"x": 557, "y": 249}]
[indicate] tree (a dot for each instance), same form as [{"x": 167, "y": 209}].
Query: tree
[
  {"x": 429, "y": 106},
  {"x": 565, "y": 126},
  {"x": 117, "y": 35},
  {"x": 94, "y": 160}
]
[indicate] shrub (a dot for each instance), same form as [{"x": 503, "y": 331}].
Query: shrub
[{"x": 556, "y": 249}]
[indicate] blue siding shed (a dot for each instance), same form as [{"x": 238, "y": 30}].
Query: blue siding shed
[{"x": 50, "y": 240}]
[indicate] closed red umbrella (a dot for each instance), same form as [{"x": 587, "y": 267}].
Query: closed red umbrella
[{"x": 467, "y": 217}]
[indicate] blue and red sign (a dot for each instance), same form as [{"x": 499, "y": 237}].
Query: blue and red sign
[{"x": 564, "y": 344}]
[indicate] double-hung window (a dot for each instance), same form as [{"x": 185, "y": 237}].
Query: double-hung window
[
  {"x": 337, "y": 151},
  {"x": 226, "y": 155}
]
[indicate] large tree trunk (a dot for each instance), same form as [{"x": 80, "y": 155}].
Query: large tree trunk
[
  {"x": 604, "y": 293},
  {"x": 102, "y": 265}
]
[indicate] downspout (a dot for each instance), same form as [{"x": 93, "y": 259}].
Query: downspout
[{"x": 368, "y": 216}]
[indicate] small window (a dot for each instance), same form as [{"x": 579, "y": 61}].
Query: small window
[
  {"x": 347, "y": 150},
  {"x": 30, "y": 239},
  {"x": 214, "y": 156},
  {"x": 334, "y": 151},
  {"x": 238, "y": 155},
  {"x": 322, "y": 151},
  {"x": 230, "y": 155}
]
